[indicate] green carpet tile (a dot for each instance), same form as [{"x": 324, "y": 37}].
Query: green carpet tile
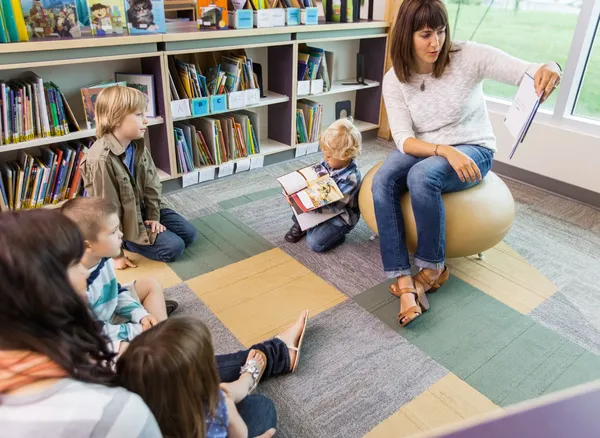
[
  {"x": 502, "y": 353},
  {"x": 256, "y": 196},
  {"x": 222, "y": 240}
]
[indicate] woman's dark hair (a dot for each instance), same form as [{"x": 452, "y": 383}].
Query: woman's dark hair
[
  {"x": 39, "y": 310},
  {"x": 173, "y": 368},
  {"x": 413, "y": 16}
]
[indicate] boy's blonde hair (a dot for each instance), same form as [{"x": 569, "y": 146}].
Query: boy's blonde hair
[
  {"x": 114, "y": 104},
  {"x": 90, "y": 214},
  {"x": 342, "y": 138}
]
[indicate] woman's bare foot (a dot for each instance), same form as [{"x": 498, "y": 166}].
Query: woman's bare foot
[
  {"x": 260, "y": 363},
  {"x": 291, "y": 336},
  {"x": 406, "y": 300}
]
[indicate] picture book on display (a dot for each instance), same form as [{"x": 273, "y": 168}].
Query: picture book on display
[
  {"x": 107, "y": 17},
  {"x": 143, "y": 83},
  {"x": 51, "y": 18},
  {"x": 145, "y": 16},
  {"x": 12, "y": 24},
  {"x": 89, "y": 96}
]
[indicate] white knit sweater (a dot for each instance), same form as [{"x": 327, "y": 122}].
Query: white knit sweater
[{"x": 451, "y": 110}]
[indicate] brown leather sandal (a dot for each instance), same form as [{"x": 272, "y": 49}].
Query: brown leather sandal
[
  {"x": 412, "y": 313},
  {"x": 424, "y": 279}
]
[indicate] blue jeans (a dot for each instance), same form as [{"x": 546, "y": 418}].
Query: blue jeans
[
  {"x": 169, "y": 244},
  {"x": 257, "y": 411},
  {"x": 327, "y": 235},
  {"x": 426, "y": 179}
]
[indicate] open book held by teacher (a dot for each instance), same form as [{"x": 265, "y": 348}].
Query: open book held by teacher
[
  {"x": 523, "y": 110},
  {"x": 307, "y": 190}
]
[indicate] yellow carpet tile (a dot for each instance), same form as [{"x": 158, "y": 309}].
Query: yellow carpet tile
[
  {"x": 448, "y": 401},
  {"x": 260, "y": 296},
  {"x": 506, "y": 276},
  {"x": 148, "y": 268}
]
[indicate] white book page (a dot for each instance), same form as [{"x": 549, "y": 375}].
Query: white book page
[
  {"x": 525, "y": 103},
  {"x": 306, "y": 201},
  {"x": 312, "y": 219},
  {"x": 292, "y": 182}
]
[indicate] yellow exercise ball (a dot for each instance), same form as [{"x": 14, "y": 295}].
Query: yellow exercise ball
[{"x": 477, "y": 219}]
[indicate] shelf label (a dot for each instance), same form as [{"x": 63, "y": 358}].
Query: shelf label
[
  {"x": 189, "y": 179},
  {"x": 207, "y": 174},
  {"x": 312, "y": 148},
  {"x": 301, "y": 150},
  {"x": 180, "y": 108},
  {"x": 226, "y": 169},
  {"x": 257, "y": 162},
  {"x": 242, "y": 165}
]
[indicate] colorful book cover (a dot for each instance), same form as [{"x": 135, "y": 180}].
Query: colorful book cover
[
  {"x": 212, "y": 14},
  {"x": 107, "y": 17},
  {"x": 146, "y": 16},
  {"x": 51, "y": 18}
]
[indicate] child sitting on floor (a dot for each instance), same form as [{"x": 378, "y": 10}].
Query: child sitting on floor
[
  {"x": 172, "y": 367},
  {"x": 340, "y": 144},
  {"x": 125, "y": 310},
  {"x": 119, "y": 167}
]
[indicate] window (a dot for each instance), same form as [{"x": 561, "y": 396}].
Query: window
[
  {"x": 588, "y": 98},
  {"x": 533, "y": 30}
]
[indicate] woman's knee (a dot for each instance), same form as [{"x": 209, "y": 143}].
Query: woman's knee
[{"x": 426, "y": 174}]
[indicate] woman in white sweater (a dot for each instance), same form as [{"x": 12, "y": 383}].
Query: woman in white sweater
[{"x": 439, "y": 121}]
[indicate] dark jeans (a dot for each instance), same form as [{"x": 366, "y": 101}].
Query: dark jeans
[
  {"x": 327, "y": 235},
  {"x": 257, "y": 411},
  {"x": 425, "y": 179},
  {"x": 169, "y": 244}
]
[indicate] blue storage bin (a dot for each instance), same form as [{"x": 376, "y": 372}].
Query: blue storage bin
[
  {"x": 218, "y": 103},
  {"x": 199, "y": 106}
]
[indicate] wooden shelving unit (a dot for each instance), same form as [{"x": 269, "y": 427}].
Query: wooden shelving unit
[{"x": 73, "y": 64}]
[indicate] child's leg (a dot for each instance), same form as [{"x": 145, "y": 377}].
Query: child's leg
[
  {"x": 295, "y": 233},
  {"x": 167, "y": 247},
  {"x": 179, "y": 225},
  {"x": 327, "y": 235},
  {"x": 151, "y": 296}
]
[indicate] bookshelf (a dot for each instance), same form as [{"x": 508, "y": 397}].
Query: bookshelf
[{"x": 73, "y": 64}]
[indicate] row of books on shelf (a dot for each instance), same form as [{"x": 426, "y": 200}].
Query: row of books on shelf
[
  {"x": 31, "y": 108},
  {"x": 34, "y": 181},
  {"x": 315, "y": 63},
  {"x": 309, "y": 117},
  {"x": 211, "y": 74},
  {"x": 22, "y": 20},
  {"x": 215, "y": 140}
]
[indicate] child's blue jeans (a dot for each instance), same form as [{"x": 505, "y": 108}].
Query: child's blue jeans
[
  {"x": 169, "y": 244},
  {"x": 327, "y": 235}
]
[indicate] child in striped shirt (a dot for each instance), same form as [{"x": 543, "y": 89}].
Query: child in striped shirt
[
  {"x": 341, "y": 144},
  {"x": 124, "y": 310}
]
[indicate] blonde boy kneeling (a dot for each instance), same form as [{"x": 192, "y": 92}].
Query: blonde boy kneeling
[
  {"x": 341, "y": 144},
  {"x": 125, "y": 311}
]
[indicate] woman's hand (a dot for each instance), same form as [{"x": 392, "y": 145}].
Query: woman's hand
[
  {"x": 465, "y": 167},
  {"x": 545, "y": 81}
]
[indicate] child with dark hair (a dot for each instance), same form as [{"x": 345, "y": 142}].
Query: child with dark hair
[{"x": 53, "y": 359}]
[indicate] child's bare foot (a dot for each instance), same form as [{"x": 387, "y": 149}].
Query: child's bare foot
[{"x": 291, "y": 336}]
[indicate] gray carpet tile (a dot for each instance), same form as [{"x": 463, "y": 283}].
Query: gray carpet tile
[
  {"x": 354, "y": 373},
  {"x": 190, "y": 305}
]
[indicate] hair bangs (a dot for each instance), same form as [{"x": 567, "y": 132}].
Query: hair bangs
[{"x": 430, "y": 16}]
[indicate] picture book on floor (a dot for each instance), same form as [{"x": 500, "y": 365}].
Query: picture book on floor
[
  {"x": 89, "y": 96},
  {"x": 107, "y": 17},
  {"x": 145, "y": 16},
  {"x": 51, "y": 18},
  {"x": 143, "y": 83},
  {"x": 310, "y": 188},
  {"x": 31, "y": 108},
  {"x": 51, "y": 176}
]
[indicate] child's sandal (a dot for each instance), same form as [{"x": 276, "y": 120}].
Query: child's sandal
[{"x": 255, "y": 371}]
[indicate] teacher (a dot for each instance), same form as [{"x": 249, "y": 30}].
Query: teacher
[{"x": 439, "y": 121}]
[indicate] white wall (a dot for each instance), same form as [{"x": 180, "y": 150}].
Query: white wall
[{"x": 553, "y": 151}]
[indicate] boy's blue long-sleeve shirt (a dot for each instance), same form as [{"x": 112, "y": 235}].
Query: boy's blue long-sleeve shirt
[{"x": 348, "y": 180}]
